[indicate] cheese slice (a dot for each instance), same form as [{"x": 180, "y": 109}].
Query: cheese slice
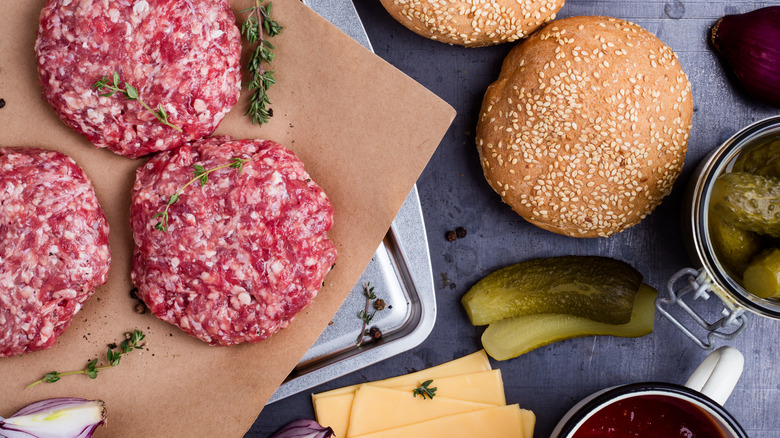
[
  {"x": 472, "y": 363},
  {"x": 495, "y": 422},
  {"x": 529, "y": 422},
  {"x": 375, "y": 409},
  {"x": 482, "y": 387},
  {"x": 334, "y": 411}
]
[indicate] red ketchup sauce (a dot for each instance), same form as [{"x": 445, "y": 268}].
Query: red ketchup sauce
[{"x": 650, "y": 416}]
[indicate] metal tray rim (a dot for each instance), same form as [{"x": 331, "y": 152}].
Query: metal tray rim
[{"x": 407, "y": 231}]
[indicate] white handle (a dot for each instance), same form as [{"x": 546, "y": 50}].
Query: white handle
[{"x": 718, "y": 374}]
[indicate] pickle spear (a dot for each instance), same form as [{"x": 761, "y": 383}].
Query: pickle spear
[
  {"x": 750, "y": 202},
  {"x": 762, "y": 277},
  {"x": 733, "y": 246},
  {"x": 597, "y": 288},
  {"x": 763, "y": 159},
  {"x": 512, "y": 337}
]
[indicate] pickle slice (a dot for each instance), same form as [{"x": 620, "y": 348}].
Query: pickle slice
[
  {"x": 512, "y": 337},
  {"x": 763, "y": 160},
  {"x": 598, "y": 288},
  {"x": 733, "y": 246},
  {"x": 762, "y": 277},
  {"x": 750, "y": 202}
]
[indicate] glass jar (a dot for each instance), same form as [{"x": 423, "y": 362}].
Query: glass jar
[{"x": 711, "y": 277}]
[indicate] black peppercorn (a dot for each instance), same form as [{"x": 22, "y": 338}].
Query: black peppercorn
[
  {"x": 2, "y": 103},
  {"x": 375, "y": 333},
  {"x": 460, "y": 232},
  {"x": 451, "y": 235},
  {"x": 379, "y": 304}
]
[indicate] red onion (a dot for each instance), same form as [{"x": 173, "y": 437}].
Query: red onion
[
  {"x": 304, "y": 429},
  {"x": 750, "y": 45},
  {"x": 64, "y": 417}
]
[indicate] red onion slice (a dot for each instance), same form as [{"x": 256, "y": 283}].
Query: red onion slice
[
  {"x": 64, "y": 417},
  {"x": 304, "y": 429}
]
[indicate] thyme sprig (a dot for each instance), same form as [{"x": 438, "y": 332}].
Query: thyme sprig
[
  {"x": 113, "y": 86},
  {"x": 201, "y": 174},
  {"x": 256, "y": 29},
  {"x": 424, "y": 390},
  {"x": 113, "y": 357},
  {"x": 368, "y": 292}
]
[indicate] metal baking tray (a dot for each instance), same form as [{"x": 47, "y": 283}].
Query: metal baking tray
[{"x": 400, "y": 273}]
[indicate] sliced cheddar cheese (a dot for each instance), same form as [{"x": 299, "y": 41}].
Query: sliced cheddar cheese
[
  {"x": 529, "y": 422},
  {"x": 333, "y": 411},
  {"x": 376, "y": 409},
  {"x": 465, "y": 365},
  {"x": 495, "y": 422},
  {"x": 482, "y": 387}
]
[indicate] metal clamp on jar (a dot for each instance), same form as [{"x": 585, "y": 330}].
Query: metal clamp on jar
[{"x": 714, "y": 276}]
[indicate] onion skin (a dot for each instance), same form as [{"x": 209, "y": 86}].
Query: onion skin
[
  {"x": 750, "y": 45},
  {"x": 304, "y": 429}
]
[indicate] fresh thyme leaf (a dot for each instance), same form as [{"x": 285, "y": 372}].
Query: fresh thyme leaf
[
  {"x": 424, "y": 391},
  {"x": 256, "y": 28},
  {"x": 249, "y": 29},
  {"x": 51, "y": 377},
  {"x": 161, "y": 114},
  {"x": 162, "y": 225},
  {"x": 130, "y": 93},
  {"x": 91, "y": 370},
  {"x": 368, "y": 292},
  {"x": 366, "y": 317},
  {"x": 238, "y": 164},
  {"x": 113, "y": 357},
  {"x": 201, "y": 174}
]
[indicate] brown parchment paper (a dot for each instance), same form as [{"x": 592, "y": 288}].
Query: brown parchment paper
[{"x": 364, "y": 131}]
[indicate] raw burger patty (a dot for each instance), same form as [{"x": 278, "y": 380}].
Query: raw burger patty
[
  {"x": 183, "y": 55},
  {"x": 53, "y": 247},
  {"x": 243, "y": 253}
]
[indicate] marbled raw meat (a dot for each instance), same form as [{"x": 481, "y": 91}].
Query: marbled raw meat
[
  {"x": 181, "y": 54},
  {"x": 53, "y": 247},
  {"x": 243, "y": 253}
]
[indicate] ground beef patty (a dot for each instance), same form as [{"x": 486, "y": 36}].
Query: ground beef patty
[
  {"x": 53, "y": 247},
  {"x": 242, "y": 253},
  {"x": 181, "y": 54}
]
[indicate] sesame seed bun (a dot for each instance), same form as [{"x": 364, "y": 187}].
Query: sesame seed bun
[
  {"x": 586, "y": 128},
  {"x": 470, "y": 23}
]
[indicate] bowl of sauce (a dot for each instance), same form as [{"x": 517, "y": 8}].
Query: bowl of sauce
[{"x": 658, "y": 409}]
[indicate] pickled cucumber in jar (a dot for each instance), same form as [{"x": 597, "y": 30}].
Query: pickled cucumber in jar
[
  {"x": 763, "y": 159},
  {"x": 747, "y": 201},
  {"x": 762, "y": 276},
  {"x": 733, "y": 246}
]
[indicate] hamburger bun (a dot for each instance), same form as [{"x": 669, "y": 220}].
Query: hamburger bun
[
  {"x": 465, "y": 23},
  {"x": 585, "y": 130}
]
